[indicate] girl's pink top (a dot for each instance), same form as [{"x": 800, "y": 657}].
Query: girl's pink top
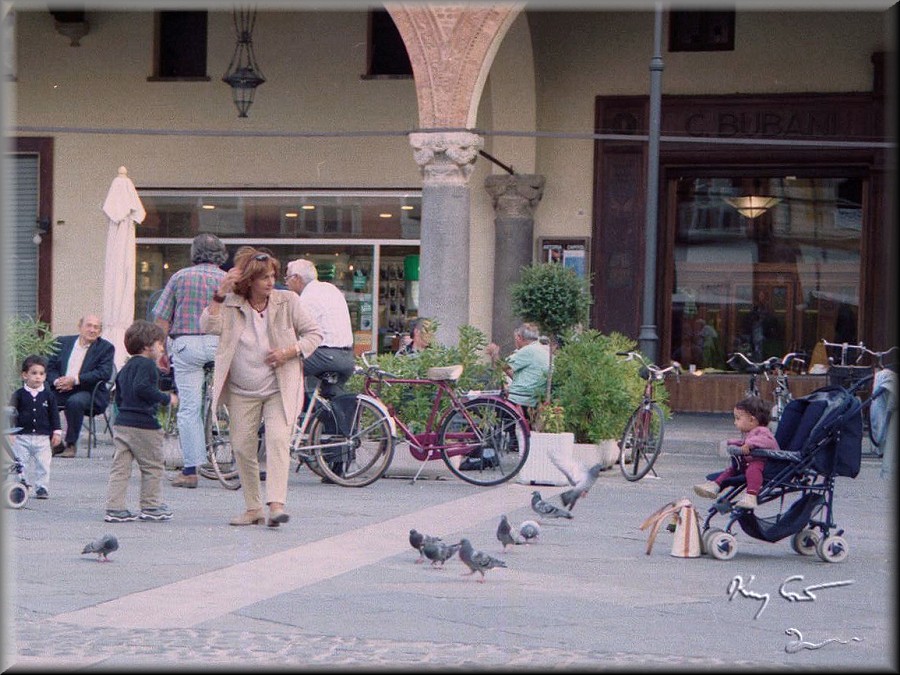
[{"x": 757, "y": 437}]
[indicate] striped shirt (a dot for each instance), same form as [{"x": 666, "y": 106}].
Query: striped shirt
[{"x": 186, "y": 295}]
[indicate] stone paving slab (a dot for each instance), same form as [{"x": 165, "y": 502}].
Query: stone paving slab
[{"x": 338, "y": 587}]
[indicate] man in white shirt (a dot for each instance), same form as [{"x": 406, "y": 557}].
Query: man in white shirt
[{"x": 326, "y": 304}]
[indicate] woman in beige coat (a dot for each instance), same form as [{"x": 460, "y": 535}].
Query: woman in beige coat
[{"x": 263, "y": 332}]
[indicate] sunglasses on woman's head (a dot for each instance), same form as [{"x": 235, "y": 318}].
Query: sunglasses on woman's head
[{"x": 261, "y": 256}]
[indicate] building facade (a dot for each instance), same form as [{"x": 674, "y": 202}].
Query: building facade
[{"x": 522, "y": 136}]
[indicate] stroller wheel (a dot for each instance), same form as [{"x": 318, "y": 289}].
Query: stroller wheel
[
  {"x": 833, "y": 549},
  {"x": 722, "y": 546},
  {"x": 705, "y": 537},
  {"x": 15, "y": 494},
  {"x": 805, "y": 541}
]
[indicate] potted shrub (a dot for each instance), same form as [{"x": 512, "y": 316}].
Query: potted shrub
[
  {"x": 556, "y": 299},
  {"x": 598, "y": 389}
]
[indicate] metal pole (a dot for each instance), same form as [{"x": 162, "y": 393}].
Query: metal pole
[{"x": 648, "y": 341}]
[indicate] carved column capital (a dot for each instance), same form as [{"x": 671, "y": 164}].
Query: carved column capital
[
  {"x": 446, "y": 157},
  {"x": 515, "y": 196}
]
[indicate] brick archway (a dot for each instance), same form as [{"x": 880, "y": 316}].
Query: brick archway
[{"x": 451, "y": 48}]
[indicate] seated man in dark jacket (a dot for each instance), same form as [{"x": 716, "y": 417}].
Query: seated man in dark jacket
[{"x": 80, "y": 362}]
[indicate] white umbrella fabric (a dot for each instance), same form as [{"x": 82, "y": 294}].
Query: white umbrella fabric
[{"x": 123, "y": 208}]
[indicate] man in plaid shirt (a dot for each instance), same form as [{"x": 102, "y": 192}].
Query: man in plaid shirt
[{"x": 178, "y": 311}]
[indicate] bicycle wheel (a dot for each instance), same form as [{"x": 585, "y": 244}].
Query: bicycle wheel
[
  {"x": 358, "y": 459},
  {"x": 494, "y": 436},
  {"x": 219, "y": 453},
  {"x": 641, "y": 442},
  {"x": 301, "y": 455}
]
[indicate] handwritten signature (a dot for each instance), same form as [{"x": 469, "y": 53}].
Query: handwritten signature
[
  {"x": 795, "y": 646},
  {"x": 737, "y": 585}
]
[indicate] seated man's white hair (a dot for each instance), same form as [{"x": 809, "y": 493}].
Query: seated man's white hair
[{"x": 303, "y": 268}]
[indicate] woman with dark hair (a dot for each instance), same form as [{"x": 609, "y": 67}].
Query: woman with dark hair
[{"x": 263, "y": 332}]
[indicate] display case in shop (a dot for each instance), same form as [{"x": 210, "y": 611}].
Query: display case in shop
[{"x": 397, "y": 298}]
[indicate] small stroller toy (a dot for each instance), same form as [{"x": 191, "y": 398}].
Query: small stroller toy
[{"x": 15, "y": 488}]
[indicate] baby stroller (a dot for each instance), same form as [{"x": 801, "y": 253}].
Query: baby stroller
[{"x": 820, "y": 436}]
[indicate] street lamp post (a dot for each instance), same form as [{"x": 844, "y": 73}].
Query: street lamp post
[{"x": 648, "y": 340}]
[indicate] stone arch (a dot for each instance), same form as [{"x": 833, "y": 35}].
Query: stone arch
[{"x": 451, "y": 48}]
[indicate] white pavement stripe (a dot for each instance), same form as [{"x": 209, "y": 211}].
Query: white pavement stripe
[{"x": 192, "y": 601}]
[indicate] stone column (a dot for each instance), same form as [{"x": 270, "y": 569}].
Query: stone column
[
  {"x": 515, "y": 198},
  {"x": 446, "y": 160}
]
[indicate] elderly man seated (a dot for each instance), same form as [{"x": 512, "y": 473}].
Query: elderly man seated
[{"x": 79, "y": 363}]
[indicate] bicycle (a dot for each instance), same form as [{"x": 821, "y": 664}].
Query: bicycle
[
  {"x": 347, "y": 439},
  {"x": 219, "y": 457},
  {"x": 779, "y": 368},
  {"x": 482, "y": 438},
  {"x": 643, "y": 435},
  {"x": 884, "y": 384}
]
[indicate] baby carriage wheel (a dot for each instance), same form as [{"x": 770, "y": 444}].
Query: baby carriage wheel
[
  {"x": 805, "y": 541},
  {"x": 833, "y": 549},
  {"x": 722, "y": 545},
  {"x": 704, "y": 538},
  {"x": 15, "y": 494}
]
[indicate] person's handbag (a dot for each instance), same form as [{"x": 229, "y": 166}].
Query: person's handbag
[{"x": 683, "y": 517}]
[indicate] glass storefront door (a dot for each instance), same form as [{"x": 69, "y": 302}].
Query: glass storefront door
[{"x": 764, "y": 265}]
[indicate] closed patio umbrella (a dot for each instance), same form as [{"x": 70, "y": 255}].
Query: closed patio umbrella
[{"x": 123, "y": 208}]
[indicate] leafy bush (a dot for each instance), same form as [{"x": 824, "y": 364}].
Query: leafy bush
[
  {"x": 552, "y": 296},
  {"x": 23, "y": 336},
  {"x": 556, "y": 299},
  {"x": 413, "y": 403},
  {"x": 598, "y": 389}
]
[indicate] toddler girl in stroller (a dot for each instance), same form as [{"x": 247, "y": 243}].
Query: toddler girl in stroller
[{"x": 751, "y": 417}]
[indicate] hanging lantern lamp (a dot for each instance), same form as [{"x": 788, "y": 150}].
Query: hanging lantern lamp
[{"x": 243, "y": 74}]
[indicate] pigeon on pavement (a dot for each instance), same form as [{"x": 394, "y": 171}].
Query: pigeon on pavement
[
  {"x": 477, "y": 561},
  {"x": 102, "y": 547},
  {"x": 417, "y": 540},
  {"x": 529, "y": 530},
  {"x": 571, "y": 496},
  {"x": 438, "y": 552},
  {"x": 547, "y": 509},
  {"x": 504, "y": 533}
]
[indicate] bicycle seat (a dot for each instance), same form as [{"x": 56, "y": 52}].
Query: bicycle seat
[
  {"x": 328, "y": 377},
  {"x": 440, "y": 373}
]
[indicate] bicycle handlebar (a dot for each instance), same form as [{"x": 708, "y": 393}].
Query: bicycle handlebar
[
  {"x": 658, "y": 373},
  {"x": 372, "y": 369},
  {"x": 753, "y": 367},
  {"x": 878, "y": 356}
]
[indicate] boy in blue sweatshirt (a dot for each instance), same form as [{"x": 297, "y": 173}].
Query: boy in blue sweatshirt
[
  {"x": 137, "y": 434},
  {"x": 37, "y": 416}
]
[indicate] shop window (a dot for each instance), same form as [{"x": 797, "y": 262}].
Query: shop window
[
  {"x": 701, "y": 31},
  {"x": 764, "y": 281},
  {"x": 180, "y": 46},
  {"x": 387, "y": 52}
]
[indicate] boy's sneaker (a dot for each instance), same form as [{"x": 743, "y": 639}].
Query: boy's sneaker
[
  {"x": 41, "y": 493},
  {"x": 124, "y": 516},
  {"x": 160, "y": 512}
]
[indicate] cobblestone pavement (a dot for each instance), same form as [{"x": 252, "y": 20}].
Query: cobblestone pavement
[
  {"x": 109, "y": 648},
  {"x": 337, "y": 586}
]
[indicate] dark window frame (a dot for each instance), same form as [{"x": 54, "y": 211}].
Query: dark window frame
[
  {"x": 170, "y": 53},
  {"x": 701, "y": 31},
  {"x": 386, "y": 57}
]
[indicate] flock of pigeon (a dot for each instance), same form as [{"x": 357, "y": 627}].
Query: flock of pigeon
[{"x": 438, "y": 551}]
